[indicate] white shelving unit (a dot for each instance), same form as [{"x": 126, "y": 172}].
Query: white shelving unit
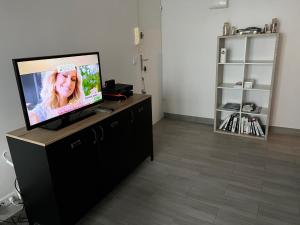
[{"x": 248, "y": 57}]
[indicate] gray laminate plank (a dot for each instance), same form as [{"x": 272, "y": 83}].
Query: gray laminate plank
[
  {"x": 277, "y": 216},
  {"x": 281, "y": 190},
  {"x": 226, "y": 217},
  {"x": 260, "y": 196},
  {"x": 247, "y": 207},
  {"x": 202, "y": 178}
]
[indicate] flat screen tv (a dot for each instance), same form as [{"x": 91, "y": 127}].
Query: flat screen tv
[{"x": 55, "y": 88}]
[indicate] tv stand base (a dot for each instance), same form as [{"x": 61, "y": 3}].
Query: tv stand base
[{"x": 66, "y": 121}]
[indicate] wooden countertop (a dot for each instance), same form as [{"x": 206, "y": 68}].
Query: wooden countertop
[{"x": 44, "y": 137}]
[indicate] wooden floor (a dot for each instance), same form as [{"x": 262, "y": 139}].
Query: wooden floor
[
  {"x": 199, "y": 177},
  {"x": 202, "y": 178}
]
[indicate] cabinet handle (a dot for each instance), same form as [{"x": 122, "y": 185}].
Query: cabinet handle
[
  {"x": 76, "y": 144},
  {"x": 114, "y": 124},
  {"x": 132, "y": 116},
  {"x": 141, "y": 109},
  {"x": 102, "y": 133},
  {"x": 95, "y": 136}
]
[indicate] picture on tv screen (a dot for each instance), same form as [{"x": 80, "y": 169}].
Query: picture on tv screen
[{"x": 55, "y": 86}]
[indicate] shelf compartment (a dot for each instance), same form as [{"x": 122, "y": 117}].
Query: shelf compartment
[
  {"x": 230, "y": 74},
  {"x": 261, "y": 73},
  {"x": 225, "y": 96},
  {"x": 260, "y": 98},
  {"x": 235, "y": 50},
  {"x": 261, "y": 49}
]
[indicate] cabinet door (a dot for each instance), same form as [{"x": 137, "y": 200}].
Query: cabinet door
[
  {"x": 142, "y": 131},
  {"x": 113, "y": 148},
  {"x": 75, "y": 174}
]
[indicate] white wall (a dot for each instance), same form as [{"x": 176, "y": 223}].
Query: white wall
[
  {"x": 34, "y": 28},
  {"x": 190, "y": 33}
]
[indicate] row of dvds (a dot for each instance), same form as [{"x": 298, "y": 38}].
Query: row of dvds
[
  {"x": 231, "y": 123},
  {"x": 247, "y": 125},
  {"x": 251, "y": 125}
]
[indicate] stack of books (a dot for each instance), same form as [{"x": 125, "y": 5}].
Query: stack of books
[
  {"x": 251, "y": 126},
  {"x": 231, "y": 123},
  {"x": 232, "y": 106}
]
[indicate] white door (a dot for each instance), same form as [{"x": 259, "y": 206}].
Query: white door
[{"x": 151, "y": 53}]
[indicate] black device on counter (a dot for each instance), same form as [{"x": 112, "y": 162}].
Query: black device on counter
[{"x": 116, "y": 92}]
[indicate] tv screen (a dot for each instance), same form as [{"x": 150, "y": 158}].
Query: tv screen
[{"x": 55, "y": 86}]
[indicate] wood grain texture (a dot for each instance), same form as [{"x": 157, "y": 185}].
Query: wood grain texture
[{"x": 46, "y": 137}]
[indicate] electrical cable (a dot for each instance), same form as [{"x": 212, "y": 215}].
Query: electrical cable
[
  {"x": 19, "y": 218},
  {"x": 9, "y": 162},
  {"x": 16, "y": 187}
]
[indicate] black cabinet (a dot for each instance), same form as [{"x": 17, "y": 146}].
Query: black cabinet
[
  {"x": 142, "y": 128},
  {"x": 63, "y": 179},
  {"x": 114, "y": 147},
  {"x": 75, "y": 174}
]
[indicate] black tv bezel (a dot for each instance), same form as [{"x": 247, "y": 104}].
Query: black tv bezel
[{"x": 22, "y": 96}]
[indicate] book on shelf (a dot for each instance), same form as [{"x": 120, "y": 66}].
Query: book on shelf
[
  {"x": 229, "y": 126},
  {"x": 224, "y": 122},
  {"x": 259, "y": 128},
  {"x": 234, "y": 124},
  {"x": 243, "y": 126},
  {"x": 256, "y": 128},
  {"x": 251, "y": 126},
  {"x": 231, "y": 123},
  {"x": 232, "y": 106}
]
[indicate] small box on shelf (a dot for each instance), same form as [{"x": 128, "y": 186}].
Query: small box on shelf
[
  {"x": 249, "y": 84},
  {"x": 223, "y": 55}
]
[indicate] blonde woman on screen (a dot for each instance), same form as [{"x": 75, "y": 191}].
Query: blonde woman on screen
[{"x": 61, "y": 92}]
